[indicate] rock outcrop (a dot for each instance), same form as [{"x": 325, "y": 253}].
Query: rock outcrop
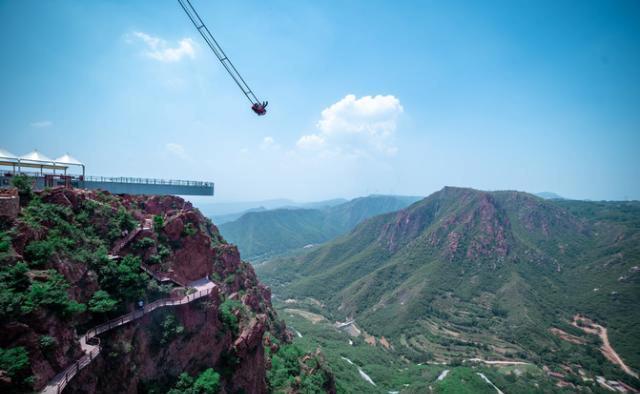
[{"x": 75, "y": 234}]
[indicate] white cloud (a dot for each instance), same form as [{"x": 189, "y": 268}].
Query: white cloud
[
  {"x": 356, "y": 127},
  {"x": 177, "y": 150},
  {"x": 269, "y": 143},
  {"x": 159, "y": 49},
  {"x": 41, "y": 124},
  {"x": 311, "y": 141}
]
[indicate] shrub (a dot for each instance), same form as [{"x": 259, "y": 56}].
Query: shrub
[
  {"x": 125, "y": 220},
  {"x": 226, "y": 315},
  {"x": 123, "y": 279},
  {"x": 51, "y": 293},
  {"x": 163, "y": 251},
  {"x": 144, "y": 243},
  {"x": 185, "y": 381},
  {"x": 170, "y": 329},
  {"x": 101, "y": 302},
  {"x": 13, "y": 283},
  {"x": 189, "y": 230},
  {"x": 285, "y": 366},
  {"x": 13, "y": 360},
  {"x": 47, "y": 342},
  {"x": 158, "y": 223},
  {"x": 208, "y": 382},
  {"x": 38, "y": 253},
  {"x": 23, "y": 184},
  {"x": 5, "y": 242}
]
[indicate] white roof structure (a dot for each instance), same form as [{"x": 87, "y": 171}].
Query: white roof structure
[
  {"x": 36, "y": 159},
  {"x": 5, "y": 154},
  {"x": 68, "y": 159},
  {"x": 35, "y": 156}
]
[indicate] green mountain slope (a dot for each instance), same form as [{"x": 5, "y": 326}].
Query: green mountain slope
[
  {"x": 268, "y": 233},
  {"x": 466, "y": 273}
]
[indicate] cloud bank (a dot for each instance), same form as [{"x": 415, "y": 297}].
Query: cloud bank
[
  {"x": 356, "y": 127},
  {"x": 159, "y": 49}
]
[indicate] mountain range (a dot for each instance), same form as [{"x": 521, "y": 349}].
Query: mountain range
[
  {"x": 265, "y": 233},
  {"x": 472, "y": 274},
  {"x": 220, "y": 210}
]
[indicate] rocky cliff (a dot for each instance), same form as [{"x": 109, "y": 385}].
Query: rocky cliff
[{"x": 73, "y": 259}]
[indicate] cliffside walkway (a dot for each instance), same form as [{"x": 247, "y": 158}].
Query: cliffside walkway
[{"x": 89, "y": 342}]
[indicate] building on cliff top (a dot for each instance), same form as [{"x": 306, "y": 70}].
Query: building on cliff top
[{"x": 70, "y": 172}]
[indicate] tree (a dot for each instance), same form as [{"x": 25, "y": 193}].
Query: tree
[
  {"x": 23, "y": 184},
  {"x": 123, "y": 279},
  {"x": 13, "y": 360},
  {"x": 207, "y": 383},
  {"x": 101, "y": 302},
  {"x": 228, "y": 318}
]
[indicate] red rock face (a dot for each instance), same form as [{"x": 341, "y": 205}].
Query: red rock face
[
  {"x": 473, "y": 228},
  {"x": 132, "y": 356}
]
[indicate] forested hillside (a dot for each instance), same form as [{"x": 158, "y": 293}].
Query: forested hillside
[
  {"x": 466, "y": 274},
  {"x": 264, "y": 234}
]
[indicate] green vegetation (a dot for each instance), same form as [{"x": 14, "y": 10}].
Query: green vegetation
[
  {"x": 267, "y": 233},
  {"x": 189, "y": 230},
  {"x": 5, "y": 243},
  {"x": 14, "y": 363},
  {"x": 13, "y": 360},
  {"x": 227, "y": 315},
  {"x": 392, "y": 371},
  {"x": 123, "y": 279},
  {"x": 289, "y": 371},
  {"x": 47, "y": 342},
  {"x": 23, "y": 184},
  {"x": 208, "y": 382},
  {"x": 101, "y": 302},
  {"x": 466, "y": 273},
  {"x": 144, "y": 243},
  {"x": 38, "y": 253},
  {"x": 51, "y": 293},
  {"x": 170, "y": 328},
  {"x": 19, "y": 296},
  {"x": 158, "y": 223}
]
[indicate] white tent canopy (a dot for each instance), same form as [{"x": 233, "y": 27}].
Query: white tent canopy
[
  {"x": 35, "y": 156},
  {"x": 36, "y": 159},
  {"x": 5, "y": 154},
  {"x": 68, "y": 159}
]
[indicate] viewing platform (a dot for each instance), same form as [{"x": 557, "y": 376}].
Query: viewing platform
[
  {"x": 123, "y": 185},
  {"x": 57, "y": 172}
]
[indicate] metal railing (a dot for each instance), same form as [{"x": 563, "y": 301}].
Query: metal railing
[
  {"x": 75, "y": 368},
  {"x": 146, "y": 181},
  {"x": 161, "y": 278},
  {"x": 85, "y": 360}
]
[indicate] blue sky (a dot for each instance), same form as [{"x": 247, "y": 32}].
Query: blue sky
[{"x": 365, "y": 96}]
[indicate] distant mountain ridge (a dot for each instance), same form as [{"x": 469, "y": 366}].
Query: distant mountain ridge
[
  {"x": 221, "y": 209},
  {"x": 467, "y": 273},
  {"x": 550, "y": 196},
  {"x": 271, "y": 232}
]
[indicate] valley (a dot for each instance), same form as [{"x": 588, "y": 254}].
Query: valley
[
  {"x": 479, "y": 281},
  {"x": 263, "y": 234}
]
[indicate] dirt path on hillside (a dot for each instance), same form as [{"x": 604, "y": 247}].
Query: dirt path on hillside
[
  {"x": 606, "y": 349},
  {"x": 497, "y": 362}
]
